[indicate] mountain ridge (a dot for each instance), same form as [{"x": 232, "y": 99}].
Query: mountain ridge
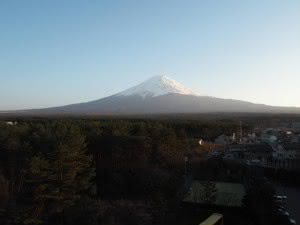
[{"x": 158, "y": 95}]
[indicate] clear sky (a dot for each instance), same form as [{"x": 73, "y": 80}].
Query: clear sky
[{"x": 56, "y": 52}]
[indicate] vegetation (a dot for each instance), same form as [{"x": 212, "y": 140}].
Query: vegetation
[
  {"x": 104, "y": 171},
  {"x": 209, "y": 192}
]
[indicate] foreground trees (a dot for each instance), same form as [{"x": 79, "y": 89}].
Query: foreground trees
[
  {"x": 47, "y": 169},
  {"x": 59, "y": 183}
]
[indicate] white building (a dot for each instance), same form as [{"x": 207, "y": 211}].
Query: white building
[{"x": 11, "y": 123}]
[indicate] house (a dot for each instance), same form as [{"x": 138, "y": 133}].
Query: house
[
  {"x": 252, "y": 137},
  {"x": 294, "y": 149},
  {"x": 251, "y": 151},
  {"x": 284, "y": 152},
  {"x": 224, "y": 140},
  {"x": 260, "y": 151},
  {"x": 295, "y": 138},
  {"x": 268, "y": 138},
  {"x": 238, "y": 150}
]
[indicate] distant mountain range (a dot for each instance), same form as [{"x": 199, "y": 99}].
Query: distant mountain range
[{"x": 158, "y": 95}]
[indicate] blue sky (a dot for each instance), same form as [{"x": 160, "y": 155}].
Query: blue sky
[{"x": 56, "y": 52}]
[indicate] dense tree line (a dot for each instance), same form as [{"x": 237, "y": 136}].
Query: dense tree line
[
  {"x": 109, "y": 171},
  {"x": 88, "y": 171}
]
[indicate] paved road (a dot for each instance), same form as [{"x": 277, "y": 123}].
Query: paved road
[{"x": 293, "y": 201}]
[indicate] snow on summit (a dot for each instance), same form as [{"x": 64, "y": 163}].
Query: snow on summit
[{"x": 156, "y": 86}]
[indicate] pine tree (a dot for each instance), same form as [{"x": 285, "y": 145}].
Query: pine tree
[
  {"x": 61, "y": 184},
  {"x": 37, "y": 179},
  {"x": 72, "y": 172}
]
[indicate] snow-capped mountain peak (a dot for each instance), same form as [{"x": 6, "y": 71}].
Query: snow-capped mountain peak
[{"x": 156, "y": 86}]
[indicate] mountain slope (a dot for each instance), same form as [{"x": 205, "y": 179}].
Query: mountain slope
[
  {"x": 170, "y": 103},
  {"x": 159, "y": 95}
]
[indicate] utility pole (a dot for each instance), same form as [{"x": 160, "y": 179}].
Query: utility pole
[
  {"x": 186, "y": 159},
  {"x": 241, "y": 130}
]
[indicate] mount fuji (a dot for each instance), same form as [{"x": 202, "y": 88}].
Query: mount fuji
[
  {"x": 156, "y": 86},
  {"x": 159, "y": 95}
]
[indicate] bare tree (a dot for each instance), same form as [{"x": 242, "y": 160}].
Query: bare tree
[{"x": 209, "y": 195}]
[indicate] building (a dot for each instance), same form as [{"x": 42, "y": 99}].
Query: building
[
  {"x": 237, "y": 151},
  {"x": 224, "y": 140},
  {"x": 295, "y": 138},
  {"x": 11, "y": 123},
  {"x": 260, "y": 151},
  {"x": 252, "y": 137},
  {"x": 294, "y": 149},
  {"x": 282, "y": 152},
  {"x": 251, "y": 151},
  {"x": 268, "y": 138}
]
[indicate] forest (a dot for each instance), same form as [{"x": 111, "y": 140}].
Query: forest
[{"x": 99, "y": 171}]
